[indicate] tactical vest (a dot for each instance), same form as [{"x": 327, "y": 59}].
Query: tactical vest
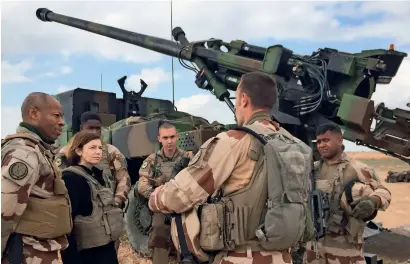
[
  {"x": 231, "y": 222},
  {"x": 242, "y": 211},
  {"x": 105, "y": 224},
  {"x": 106, "y": 166},
  {"x": 337, "y": 221},
  {"x": 164, "y": 168},
  {"x": 49, "y": 217}
]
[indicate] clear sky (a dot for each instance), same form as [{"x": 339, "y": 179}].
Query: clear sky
[{"x": 51, "y": 57}]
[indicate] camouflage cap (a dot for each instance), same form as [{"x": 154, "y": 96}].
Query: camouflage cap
[{"x": 192, "y": 226}]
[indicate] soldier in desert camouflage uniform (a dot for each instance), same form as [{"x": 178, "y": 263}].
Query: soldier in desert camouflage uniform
[
  {"x": 32, "y": 192},
  {"x": 225, "y": 162},
  {"x": 113, "y": 162},
  {"x": 156, "y": 170},
  {"x": 343, "y": 242}
]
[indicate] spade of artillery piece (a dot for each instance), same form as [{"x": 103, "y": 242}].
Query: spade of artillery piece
[{"x": 131, "y": 98}]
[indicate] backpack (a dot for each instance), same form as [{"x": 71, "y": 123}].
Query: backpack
[{"x": 287, "y": 218}]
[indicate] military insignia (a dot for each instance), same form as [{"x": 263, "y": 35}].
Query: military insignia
[
  {"x": 58, "y": 162},
  {"x": 195, "y": 158},
  {"x": 144, "y": 165},
  {"x": 18, "y": 171}
]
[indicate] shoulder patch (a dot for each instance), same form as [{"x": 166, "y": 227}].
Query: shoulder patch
[
  {"x": 144, "y": 165},
  {"x": 18, "y": 171}
]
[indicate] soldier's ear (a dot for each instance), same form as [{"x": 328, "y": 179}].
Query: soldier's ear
[
  {"x": 34, "y": 113},
  {"x": 340, "y": 140}
]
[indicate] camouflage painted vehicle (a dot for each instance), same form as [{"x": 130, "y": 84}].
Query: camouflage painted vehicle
[{"x": 328, "y": 86}]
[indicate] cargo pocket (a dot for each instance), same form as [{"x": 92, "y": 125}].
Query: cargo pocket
[
  {"x": 354, "y": 230},
  {"x": 106, "y": 196},
  {"x": 116, "y": 223},
  {"x": 212, "y": 222}
]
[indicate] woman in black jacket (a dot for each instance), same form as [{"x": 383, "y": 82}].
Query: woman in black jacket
[{"x": 84, "y": 152}]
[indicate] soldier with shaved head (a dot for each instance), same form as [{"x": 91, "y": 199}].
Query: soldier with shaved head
[
  {"x": 231, "y": 166},
  {"x": 356, "y": 195},
  {"x": 35, "y": 208},
  {"x": 157, "y": 169}
]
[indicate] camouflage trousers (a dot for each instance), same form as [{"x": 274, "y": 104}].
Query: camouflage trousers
[
  {"x": 253, "y": 257},
  {"x": 32, "y": 256},
  {"x": 159, "y": 239},
  {"x": 335, "y": 249},
  {"x": 159, "y": 234}
]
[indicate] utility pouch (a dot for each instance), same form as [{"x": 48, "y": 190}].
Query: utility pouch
[
  {"x": 46, "y": 218},
  {"x": 212, "y": 224}
]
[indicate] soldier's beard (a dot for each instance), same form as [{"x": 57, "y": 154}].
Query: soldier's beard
[{"x": 239, "y": 123}]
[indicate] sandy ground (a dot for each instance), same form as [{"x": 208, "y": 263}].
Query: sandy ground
[
  {"x": 397, "y": 214},
  {"x": 399, "y": 211}
]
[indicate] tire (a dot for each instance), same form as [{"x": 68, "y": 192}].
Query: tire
[{"x": 138, "y": 219}]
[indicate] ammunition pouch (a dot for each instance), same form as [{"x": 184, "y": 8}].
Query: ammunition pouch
[
  {"x": 337, "y": 222},
  {"x": 354, "y": 230},
  {"x": 212, "y": 234},
  {"x": 47, "y": 218}
]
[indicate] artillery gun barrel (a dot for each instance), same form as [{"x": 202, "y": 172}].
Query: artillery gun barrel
[
  {"x": 183, "y": 50},
  {"x": 160, "y": 45}
]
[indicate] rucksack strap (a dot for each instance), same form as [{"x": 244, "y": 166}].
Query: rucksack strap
[
  {"x": 186, "y": 255},
  {"x": 250, "y": 131}
]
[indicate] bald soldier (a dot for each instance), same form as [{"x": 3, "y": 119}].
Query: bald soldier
[
  {"x": 35, "y": 208},
  {"x": 231, "y": 163},
  {"x": 343, "y": 242},
  {"x": 156, "y": 170},
  {"x": 113, "y": 162}
]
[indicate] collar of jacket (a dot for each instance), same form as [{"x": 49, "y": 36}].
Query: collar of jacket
[
  {"x": 260, "y": 115},
  {"x": 36, "y": 133}
]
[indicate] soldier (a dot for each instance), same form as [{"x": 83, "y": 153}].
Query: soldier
[
  {"x": 156, "y": 170},
  {"x": 230, "y": 165},
  {"x": 35, "y": 208},
  {"x": 335, "y": 172},
  {"x": 113, "y": 162}
]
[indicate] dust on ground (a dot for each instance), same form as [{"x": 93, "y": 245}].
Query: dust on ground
[
  {"x": 390, "y": 247},
  {"x": 397, "y": 214},
  {"x": 399, "y": 211}
]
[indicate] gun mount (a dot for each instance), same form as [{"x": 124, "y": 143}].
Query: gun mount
[{"x": 326, "y": 86}]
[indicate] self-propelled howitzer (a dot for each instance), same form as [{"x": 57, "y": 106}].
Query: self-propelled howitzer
[{"x": 326, "y": 86}]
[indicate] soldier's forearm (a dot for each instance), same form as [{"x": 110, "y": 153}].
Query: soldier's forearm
[
  {"x": 147, "y": 192},
  {"x": 384, "y": 197},
  {"x": 144, "y": 187},
  {"x": 123, "y": 186}
]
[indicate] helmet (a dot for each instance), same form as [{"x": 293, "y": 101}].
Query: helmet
[
  {"x": 191, "y": 226},
  {"x": 352, "y": 192}
]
